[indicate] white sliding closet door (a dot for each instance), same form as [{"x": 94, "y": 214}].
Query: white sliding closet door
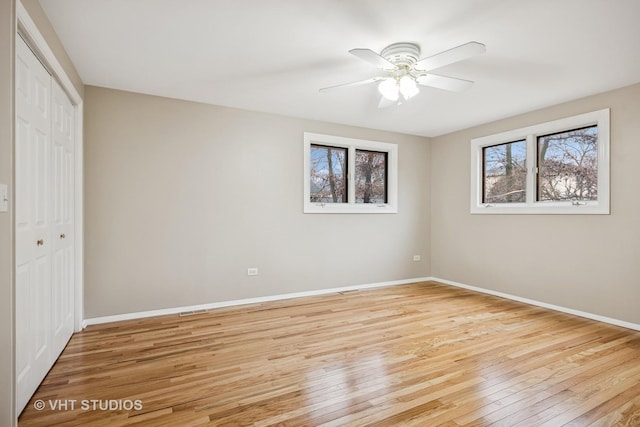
[
  {"x": 62, "y": 220},
  {"x": 33, "y": 238},
  {"x": 43, "y": 222}
]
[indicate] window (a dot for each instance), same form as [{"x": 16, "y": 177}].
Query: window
[
  {"x": 328, "y": 174},
  {"x": 568, "y": 165},
  {"x": 505, "y": 173},
  {"x": 560, "y": 167},
  {"x": 346, "y": 175},
  {"x": 371, "y": 176}
]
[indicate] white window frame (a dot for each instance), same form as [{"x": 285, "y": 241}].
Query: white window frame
[
  {"x": 352, "y": 144},
  {"x": 530, "y": 134}
]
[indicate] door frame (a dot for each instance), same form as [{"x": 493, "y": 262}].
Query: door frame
[{"x": 29, "y": 31}]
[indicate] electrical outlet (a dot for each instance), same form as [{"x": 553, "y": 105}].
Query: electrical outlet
[
  {"x": 4, "y": 198},
  {"x": 417, "y": 258},
  {"x": 252, "y": 271}
]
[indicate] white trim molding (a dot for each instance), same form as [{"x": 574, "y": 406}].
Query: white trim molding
[
  {"x": 572, "y": 311},
  {"x": 210, "y": 306},
  {"x": 79, "y": 218},
  {"x": 28, "y": 29},
  {"x": 222, "y": 304}
]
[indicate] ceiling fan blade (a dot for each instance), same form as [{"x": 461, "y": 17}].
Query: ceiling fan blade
[
  {"x": 450, "y": 56},
  {"x": 443, "y": 82},
  {"x": 373, "y": 58},
  {"x": 358, "y": 83}
]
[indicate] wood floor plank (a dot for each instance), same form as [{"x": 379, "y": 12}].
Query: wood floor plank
[{"x": 415, "y": 355}]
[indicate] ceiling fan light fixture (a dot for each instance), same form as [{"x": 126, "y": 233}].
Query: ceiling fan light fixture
[
  {"x": 403, "y": 71},
  {"x": 408, "y": 86},
  {"x": 389, "y": 88}
]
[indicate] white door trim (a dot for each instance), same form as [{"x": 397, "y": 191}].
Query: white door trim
[{"x": 29, "y": 31}]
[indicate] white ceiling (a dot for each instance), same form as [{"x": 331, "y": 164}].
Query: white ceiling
[{"x": 274, "y": 55}]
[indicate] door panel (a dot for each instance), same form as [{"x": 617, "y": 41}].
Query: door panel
[
  {"x": 33, "y": 228},
  {"x": 62, "y": 219}
]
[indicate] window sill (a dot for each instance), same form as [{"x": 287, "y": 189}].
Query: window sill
[
  {"x": 349, "y": 208},
  {"x": 541, "y": 209}
]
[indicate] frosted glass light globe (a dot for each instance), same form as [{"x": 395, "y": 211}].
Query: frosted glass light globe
[
  {"x": 389, "y": 89},
  {"x": 408, "y": 87}
]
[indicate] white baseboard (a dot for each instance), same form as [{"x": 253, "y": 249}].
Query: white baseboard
[
  {"x": 591, "y": 316},
  {"x": 209, "y": 306},
  {"x": 176, "y": 310}
]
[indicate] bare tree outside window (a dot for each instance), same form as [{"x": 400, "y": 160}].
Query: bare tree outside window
[
  {"x": 371, "y": 177},
  {"x": 568, "y": 165},
  {"x": 505, "y": 173},
  {"x": 328, "y": 172}
]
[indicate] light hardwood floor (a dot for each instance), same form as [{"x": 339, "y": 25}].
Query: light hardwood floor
[{"x": 423, "y": 354}]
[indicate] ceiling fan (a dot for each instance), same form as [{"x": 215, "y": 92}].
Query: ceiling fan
[{"x": 404, "y": 71}]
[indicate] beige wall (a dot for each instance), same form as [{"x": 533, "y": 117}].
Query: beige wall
[
  {"x": 7, "y": 380},
  {"x": 181, "y": 198},
  {"x": 584, "y": 262}
]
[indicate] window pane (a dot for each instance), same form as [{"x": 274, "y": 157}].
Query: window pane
[
  {"x": 568, "y": 165},
  {"x": 505, "y": 173},
  {"x": 371, "y": 177},
  {"x": 328, "y": 170}
]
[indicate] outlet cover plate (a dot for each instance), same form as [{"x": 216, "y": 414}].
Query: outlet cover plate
[{"x": 4, "y": 198}]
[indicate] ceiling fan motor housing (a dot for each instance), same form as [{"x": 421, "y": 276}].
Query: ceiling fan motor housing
[{"x": 401, "y": 54}]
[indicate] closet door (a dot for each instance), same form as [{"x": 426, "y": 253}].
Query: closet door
[
  {"x": 62, "y": 220},
  {"x": 32, "y": 222}
]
